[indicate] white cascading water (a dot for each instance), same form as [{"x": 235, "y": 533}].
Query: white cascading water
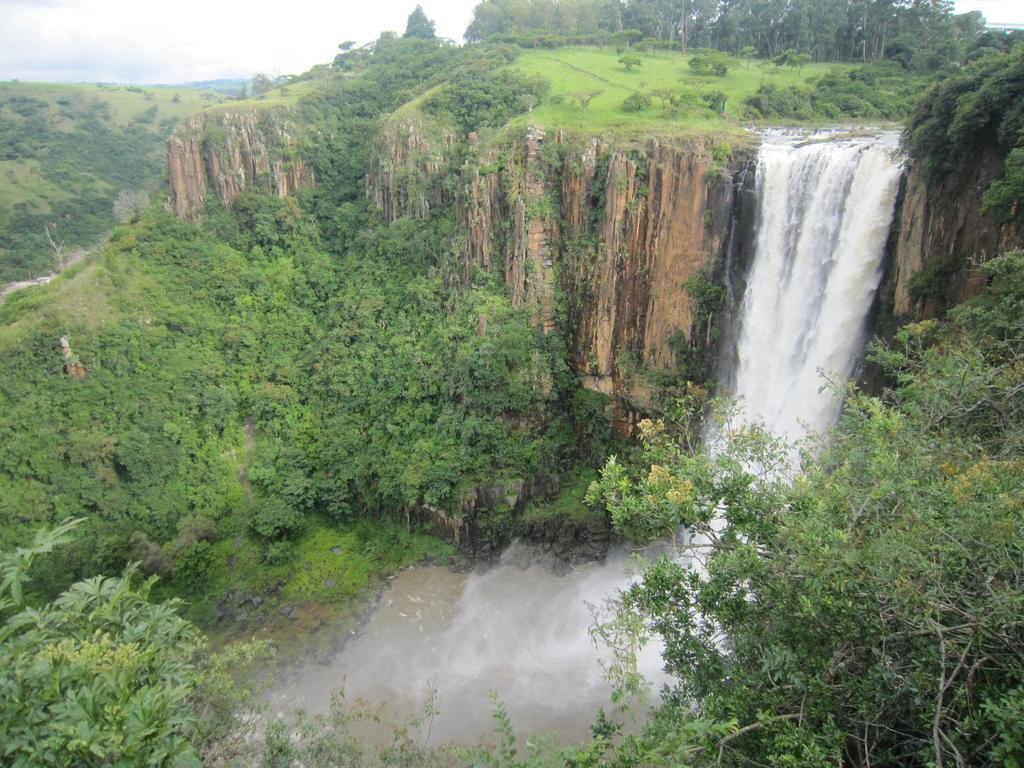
[{"x": 824, "y": 212}]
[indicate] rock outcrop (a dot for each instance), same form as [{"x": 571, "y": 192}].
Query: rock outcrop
[
  {"x": 407, "y": 157},
  {"x": 666, "y": 220},
  {"x": 231, "y": 151},
  {"x": 941, "y": 228},
  {"x": 72, "y": 365},
  {"x": 615, "y": 231}
]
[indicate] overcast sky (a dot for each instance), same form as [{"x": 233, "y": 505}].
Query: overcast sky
[{"x": 173, "y": 41}]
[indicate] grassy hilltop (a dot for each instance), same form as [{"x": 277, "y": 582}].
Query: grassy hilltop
[
  {"x": 577, "y": 70},
  {"x": 635, "y": 94}
]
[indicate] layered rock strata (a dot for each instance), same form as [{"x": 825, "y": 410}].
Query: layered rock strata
[
  {"x": 228, "y": 152},
  {"x": 615, "y": 231}
]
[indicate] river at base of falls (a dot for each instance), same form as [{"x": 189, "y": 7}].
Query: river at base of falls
[{"x": 519, "y": 628}]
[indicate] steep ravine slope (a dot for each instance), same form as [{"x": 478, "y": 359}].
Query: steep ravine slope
[
  {"x": 620, "y": 236},
  {"x": 610, "y": 233},
  {"x": 943, "y": 232}
]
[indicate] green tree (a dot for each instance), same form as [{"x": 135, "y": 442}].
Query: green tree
[
  {"x": 98, "y": 677},
  {"x": 716, "y": 101},
  {"x": 665, "y": 95},
  {"x": 1004, "y": 198},
  {"x": 419, "y": 26},
  {"x": 629, "y": 62},
  {"x": 261, "y": 84},
  {"x": 793, "y": 59},
  {"x": 636, "y": 102},
  {"x": 583, "y": 98},
  {"x": 707, "y": 62}
]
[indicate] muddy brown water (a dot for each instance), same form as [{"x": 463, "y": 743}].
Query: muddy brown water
[{"x": 519, "y": 628}]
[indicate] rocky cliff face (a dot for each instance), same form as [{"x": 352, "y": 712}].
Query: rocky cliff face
[
  {"x": 616, "y": 231},
  {"x": 227, "y": 152},
  {"x": 407, "y": 157},
  {"x": 942, "y": 233},
  {"x": 665, "y": 223}
]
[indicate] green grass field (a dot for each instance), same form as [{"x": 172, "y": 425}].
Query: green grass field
[
  {"x": 574, "y": 70},
  {"x": 123, "y": 103},
  {"x": 283, "y": 96}
]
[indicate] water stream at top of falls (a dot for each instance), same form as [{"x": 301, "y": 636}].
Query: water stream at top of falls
[{"x": 824, "y": 211}]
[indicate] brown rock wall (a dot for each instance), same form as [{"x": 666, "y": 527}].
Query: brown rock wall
[
  {"x": 942, "y": 223},
  {"x": 229, "y": 152},
  {"x": 407, "y": 156},
  {"x": 618, "y": 230}
]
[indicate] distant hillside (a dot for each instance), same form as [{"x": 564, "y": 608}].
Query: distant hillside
[
  {"x": 65, "y": 153},
  {"x": 230, "y": 86}
]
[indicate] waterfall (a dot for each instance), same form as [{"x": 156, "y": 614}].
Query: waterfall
[{"x": 824, "y": 210}]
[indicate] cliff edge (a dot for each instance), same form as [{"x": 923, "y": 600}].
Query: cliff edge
[{"x": 230, "y": 151}]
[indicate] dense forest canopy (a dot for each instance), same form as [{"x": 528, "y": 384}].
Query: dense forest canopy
[
  {"x": 276, "y": 367},
  {"x": 919, "y": 34}
]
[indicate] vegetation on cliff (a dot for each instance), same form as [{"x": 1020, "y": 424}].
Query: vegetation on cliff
[
  {"x": 865, "y": 610},
  {"x": 241, "y": 380},
  {"x": 966, "y": 136},
  {"x": 969, "y": 115}
]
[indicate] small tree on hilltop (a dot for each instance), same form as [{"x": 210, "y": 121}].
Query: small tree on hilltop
[
  {"x": 715, "y": 101},
  {"x": 708, "y": 62},
  {"x": 583, "y": 98},
  {"x": 261, "y": 83},
  {"x": 665, "y": 95},
  {"x": 636, "y": 102},
  {"x": 419, "y": 26},
  {"x": 629, "y": 62},
  {"x": 790, "y": 58},
  {"x": 130, "y": 205}
]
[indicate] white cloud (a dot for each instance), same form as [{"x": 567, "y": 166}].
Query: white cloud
[
  {"x": 140, "y": 41},
  {"x": 147, "y": 41},
  {"x": 995, "y": 11}
]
